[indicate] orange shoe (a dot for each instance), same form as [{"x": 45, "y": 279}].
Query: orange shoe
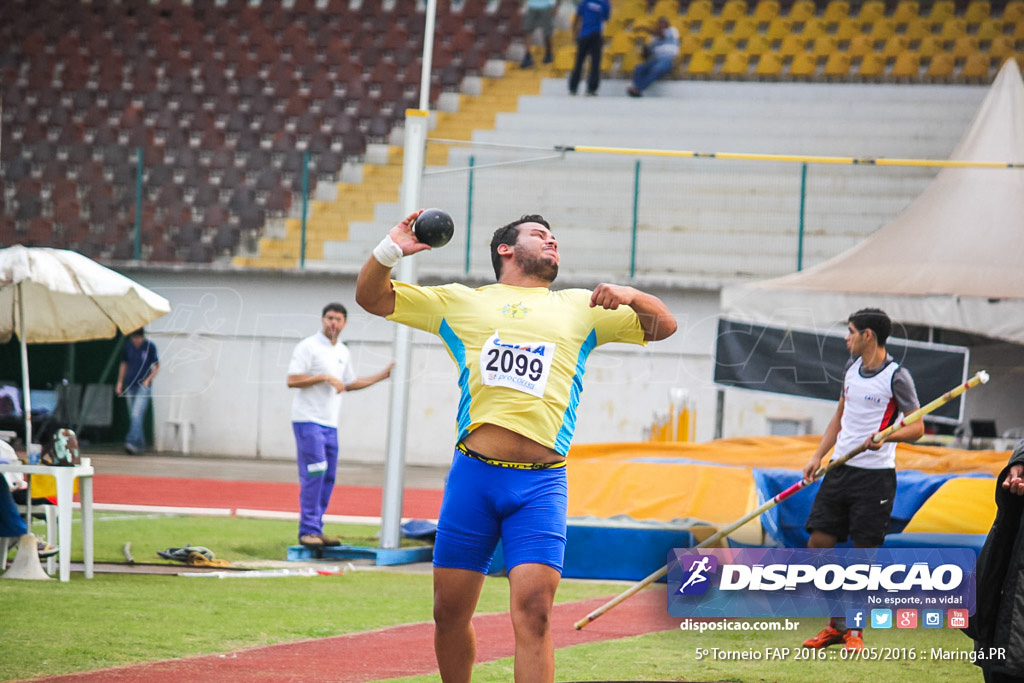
[
  {"x": 827, "y": 636},
  {"x": 853, "y": 640}
]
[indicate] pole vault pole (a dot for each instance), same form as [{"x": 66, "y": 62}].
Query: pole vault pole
[{"x": 979, "y": 378}]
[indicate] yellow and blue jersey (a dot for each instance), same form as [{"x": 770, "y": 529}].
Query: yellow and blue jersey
[{"x": 520, "y": 351}]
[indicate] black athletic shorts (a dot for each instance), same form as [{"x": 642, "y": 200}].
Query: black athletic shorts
[{"x": 854, "y": 502}]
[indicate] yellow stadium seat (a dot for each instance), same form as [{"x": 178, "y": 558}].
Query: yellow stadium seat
[
  {"x": 977, "y": 11},
  {"x": 989, "y": 29},
  {"x": 916, "y": 29},
  {"x": 824, "y": 46},
  {"x": 931, "y": 46},
  {"x": 690, "y": 43},
  {"x": 699, "y": 10},
  {"x": 871, "y": 66},
  {"x": 744, "y": 27},
  {"x": 804, "y": 65},
  {"x": 836, "y": 10},
  {"x": 722, "y": 44},
  {"x": 711, "y": 27},
  {"x": 621, "y": 43},
  {"x": 871, "y": 10},
  {"x": 802, "y": 10},
  {"x": 1018, "y": 31},
  {"x": 965, "y": 46},
  {"x": 733, "y": 10},
  {"x": 1014, "y": 11},
  {"x": 792, "y": 45},
  {"x": 778, "y": 28},
  {"x": 882, "y": 29},
  {"x": 976, "y": 67},
  {"x": 758, "y": 45},
  {"x": 953, "y": 29},
  {"x": 766, "y": 10},
  {"x": 814, "y": 28},
  {"x": 906, "y": 10},
  {"x": 894, "y": 45},
  {"x": 736, "y": 64},
  {"x": 941, "y": 66},
  {"x": 1002, "y": 47},
  {"x": 701, "y": 64},
  {"x": 861, "y": 45},
  {"x": 769, "y": 65},
  {"x": 942, "y": 10},
  {"x": 848, "y": 28},
  {"x": 907, "y": 65},
  {"x": 837, "y": 65}
]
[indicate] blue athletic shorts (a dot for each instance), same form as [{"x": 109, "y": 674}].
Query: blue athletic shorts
[{"x": 526, "y": 509}]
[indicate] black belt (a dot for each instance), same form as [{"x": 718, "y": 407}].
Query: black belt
[{"x": 506, "y": 463}]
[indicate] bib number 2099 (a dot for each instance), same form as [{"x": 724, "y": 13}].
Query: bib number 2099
[{"x": 523, "y": 366}]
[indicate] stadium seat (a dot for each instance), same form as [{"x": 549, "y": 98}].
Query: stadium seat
[
  {"x": 701, "y": 64},
  {"x": 758, "y": 45},
  {"x": 699, "y": 10},
  {"x": 733, "y": 10},
  {"x": 836, "y": 10},
  {"x": 989, "y": 29},
  {"x": 965, "y": 46},
  {"x": 906, "y": 66},
  {"x": 871, "y": 66},
  {"x": 883, "y": 29},
  {"x": 802, "y": 10},
  {"x": 823, "y": 46},
  {"x": 1014, "y": 11},
  {"x": 804, "y": 65},
  {"x": 837, "y": 66},
  {"x": 941, "y": 66},
  {"x": 977, "y": 11},
  {"x": 1002, "y": 47},
  {"x": 737, "y": 64},
  {"x": 792, "y": 45},
  {"x": 769, "y": 65},
  {"x": 914, "y": 29},
  {"x": 976, "y": 67},
  {"x": 778, "y": 28},
  {"x": 953, "y": 28},
  {"x": 931, "y": 46},
  {"x": 906, "y": 10},
  {"x": 942, "y": 10},
  {"x": 745, "y": 28},
  {"x": 894, "y": 46},
  {"x": 766, "y": 10},
  {"x": 815, "y": 28},
  {"x": 722, "y": 44},
  {"x": 871, "y": 10}
]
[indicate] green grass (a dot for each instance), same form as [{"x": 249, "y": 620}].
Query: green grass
[{"x": 51, "y": 628}]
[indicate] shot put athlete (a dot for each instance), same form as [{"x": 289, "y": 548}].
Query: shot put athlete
[{"x": 520, "y": 349}]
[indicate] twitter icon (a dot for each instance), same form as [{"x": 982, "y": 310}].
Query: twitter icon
[{"x": 881, "y": 618}]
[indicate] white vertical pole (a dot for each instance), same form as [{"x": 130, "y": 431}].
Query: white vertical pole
[
  {"x": 416, "y": 123},
  {"x": 26, "y": 398}
]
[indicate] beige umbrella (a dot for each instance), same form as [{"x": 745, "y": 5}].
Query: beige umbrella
[{"x": 55, "y": 295}]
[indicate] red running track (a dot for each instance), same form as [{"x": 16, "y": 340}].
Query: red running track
[
  {"x": 360, "y": 501},
  {"x": 386, "y": 653}
]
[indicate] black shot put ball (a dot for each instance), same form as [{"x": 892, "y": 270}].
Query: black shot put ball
[{"x": 434, "y": 227}]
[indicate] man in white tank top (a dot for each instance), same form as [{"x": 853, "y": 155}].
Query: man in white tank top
[{"x": 855, "y": 500}]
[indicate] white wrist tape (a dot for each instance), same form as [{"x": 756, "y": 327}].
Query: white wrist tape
[{"x": 387, "y": 253}]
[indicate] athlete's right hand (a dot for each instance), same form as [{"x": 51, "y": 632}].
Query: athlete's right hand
[
  {"x": 404, "y": 237},
  {"x": 810, "y": 468}
]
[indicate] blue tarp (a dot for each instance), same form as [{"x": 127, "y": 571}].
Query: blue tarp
[{"x": 784, "y": 523}]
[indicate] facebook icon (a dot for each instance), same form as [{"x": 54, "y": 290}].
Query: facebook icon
[{"x": 855, "y": 618}]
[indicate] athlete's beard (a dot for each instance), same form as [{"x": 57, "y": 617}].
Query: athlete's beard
[{"x": 537, "y": 266}]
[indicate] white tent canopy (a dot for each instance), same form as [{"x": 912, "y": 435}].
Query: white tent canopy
[{"x": 953, "y": 259}]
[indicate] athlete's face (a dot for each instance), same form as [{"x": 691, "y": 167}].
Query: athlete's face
[
  {"x": 856, "y": 339},
  {"x": 536, "y": 251}
]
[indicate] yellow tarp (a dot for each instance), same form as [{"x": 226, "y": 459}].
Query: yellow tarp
[
  {"x": 960, "y": 506},
  {"x": 712, "y": 481}
]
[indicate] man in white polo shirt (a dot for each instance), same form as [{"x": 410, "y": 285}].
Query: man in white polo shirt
[{"x": 321, "y": 369}]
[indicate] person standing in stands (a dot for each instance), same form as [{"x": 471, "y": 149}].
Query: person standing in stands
[
  {"x": 139, "y": 366},
  {"x": 855, "y": 500},
  {"x": 588, "y": 29},
  {"x": 998, "y": 623},
  {"x": 321, "y": 369},
  {"x": 540, "y": 14}
]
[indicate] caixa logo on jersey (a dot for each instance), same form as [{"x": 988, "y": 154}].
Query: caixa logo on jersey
[{"x": 788, "y": 582}]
